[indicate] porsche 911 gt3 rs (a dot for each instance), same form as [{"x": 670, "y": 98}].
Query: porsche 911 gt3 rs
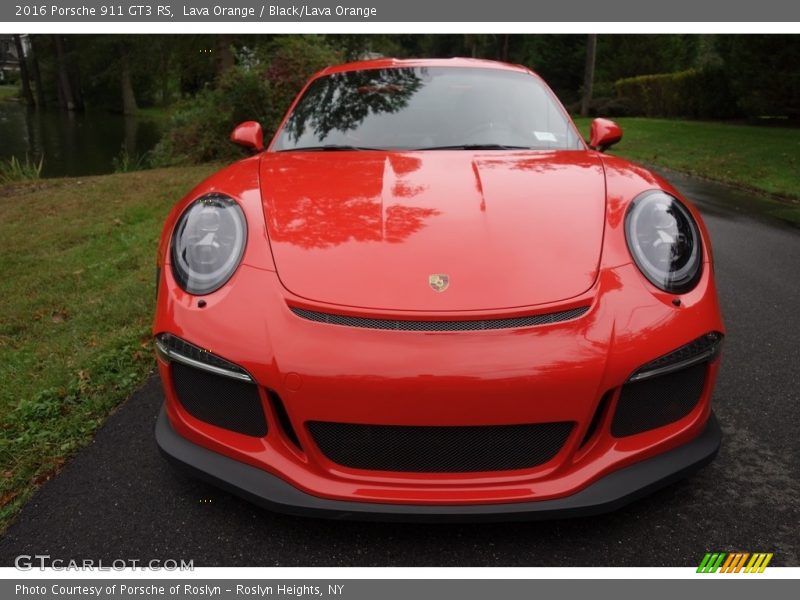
[{"x": 428, "y": 297}]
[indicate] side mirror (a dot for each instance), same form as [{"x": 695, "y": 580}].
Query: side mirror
[
  {"x": 249, "y": 134},
  {"x": 603, "y": 134}
]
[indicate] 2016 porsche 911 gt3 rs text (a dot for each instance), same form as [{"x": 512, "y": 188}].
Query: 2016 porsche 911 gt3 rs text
[{"x": 429, "y": 298}]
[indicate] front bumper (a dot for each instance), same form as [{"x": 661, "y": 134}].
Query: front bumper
[
  {"x": 609, "y": 493},
  {"x": 570, "y": 371}
]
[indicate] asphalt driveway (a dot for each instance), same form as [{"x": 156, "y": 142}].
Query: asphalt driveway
[{"x": 117, "y": 499}]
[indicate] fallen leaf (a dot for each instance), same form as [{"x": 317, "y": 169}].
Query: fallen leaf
[{"x": 7, "y": 498}]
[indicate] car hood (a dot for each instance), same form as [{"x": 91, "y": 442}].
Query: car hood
[{"x": 375, "y": 229}]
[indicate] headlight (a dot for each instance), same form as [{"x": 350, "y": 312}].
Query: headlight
[
  {"x": 664, "y": 241},
  {"x": 207, "y": 243}
]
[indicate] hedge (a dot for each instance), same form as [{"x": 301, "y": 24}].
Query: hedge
[{"x": 697, "y": 93}]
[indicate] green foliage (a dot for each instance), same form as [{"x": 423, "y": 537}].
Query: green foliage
[
  {"x": 11, "y": 78},
  {"x": 13, "y": 170},
  {"x": 259, "y": 90},
  {"x": 289, "y": 62},
  {"x": 193, "y": 61},
  {"x": 735, "y": 75},
  {"x": 356, "y": 46},
  {"x": 559, "y": 59},
  {"x": 726, "y": 75},
  {"x": 695, "y": 93},
  {"x": 623, "y": 56},
  {"x": 199, "y": 127},
  {"x": 763, "y": 73}
]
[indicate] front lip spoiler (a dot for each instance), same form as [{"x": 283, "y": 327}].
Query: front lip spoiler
[{"x": 613, "y": 491}]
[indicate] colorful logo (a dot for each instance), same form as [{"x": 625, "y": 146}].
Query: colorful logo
[{"x": 734, "y": 562}]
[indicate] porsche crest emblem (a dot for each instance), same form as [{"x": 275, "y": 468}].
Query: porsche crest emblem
[{"x": 438, "y": 282}]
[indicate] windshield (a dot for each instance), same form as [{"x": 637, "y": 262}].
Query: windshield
[{"x": 427, "y": 108}]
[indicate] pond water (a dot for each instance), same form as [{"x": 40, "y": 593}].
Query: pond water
[{"x": 72, "y": 144}]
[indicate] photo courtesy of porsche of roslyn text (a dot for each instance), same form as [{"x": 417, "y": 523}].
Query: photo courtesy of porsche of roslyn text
[{"x": 309, "y": 295}]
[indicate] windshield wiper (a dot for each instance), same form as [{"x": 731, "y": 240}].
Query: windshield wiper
[
  {"x": 476, "y": 147},
  {"x": 328, "y": 148},
  {"x": 347, "y": 148}
]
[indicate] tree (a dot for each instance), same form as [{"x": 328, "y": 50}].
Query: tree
[
  {"x": 129, "y": 106},
  {"x": 66, "y": 94},
  {"x": 23, "y": 71},
  {"x": 559, "y": 59},
  {"x": 35, "y": 71},
  {"x": 224, "y": 55},
  {"x": 505, "y": 47},
  {"x": 763, "y": 73},
  {"x": 194, "y": 64},
  {"x": 165, "y": 56},
  {"x": 588, "y": 73}
]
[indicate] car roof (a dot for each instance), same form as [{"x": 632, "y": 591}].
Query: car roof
[{"x": 387, "y": 63}]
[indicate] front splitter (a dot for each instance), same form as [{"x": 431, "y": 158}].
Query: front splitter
[{"x": 607, "y": 494}]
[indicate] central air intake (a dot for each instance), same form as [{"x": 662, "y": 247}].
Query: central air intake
[{"x": 439, "y": 449}]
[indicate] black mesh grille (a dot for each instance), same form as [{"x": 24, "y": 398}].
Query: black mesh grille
[
  {"x": 651, "y": 403},
  {"x": 407, "y": 325},
  {"x": 450, "y": 449},
  {"x": 219, "y": 400}
]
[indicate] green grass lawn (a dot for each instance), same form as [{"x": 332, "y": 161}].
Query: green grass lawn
[
  {"x": 8, "y": 92},
  {"x": 765, "y": 159},
  {"x": 77, "y": 290}
]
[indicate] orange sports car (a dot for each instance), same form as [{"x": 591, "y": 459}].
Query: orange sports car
[{"x": 429, "y": 298}]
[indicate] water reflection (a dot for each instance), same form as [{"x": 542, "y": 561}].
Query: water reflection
[{"x": 72, "y": 144}]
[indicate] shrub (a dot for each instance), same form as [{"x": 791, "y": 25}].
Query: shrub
[
  {"x": 698, "y": 93},
  {"x": 125, "y": 162},
  {"x": 259, "y": 89},
  {"x": 290, "y": 61},
  {"x": 199, "y": 127},
  {"x": 10, "y": 77},
  {"x": 13, "y": 170}
]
